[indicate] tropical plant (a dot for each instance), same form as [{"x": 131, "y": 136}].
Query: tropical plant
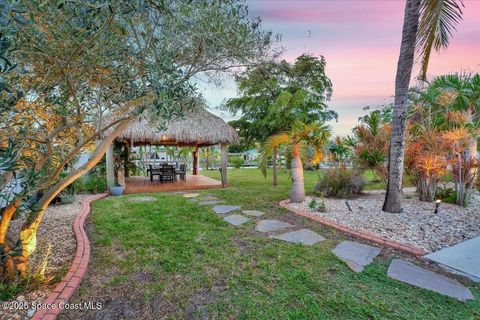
[
  {"x": 299, "y": 138},
  {"x": 277, "y": 94},
  {"x": 237, "y": 162},
  {"x": 340, "y": 150},
  {"x": 371, "y": 144},
  {"x": 427, "y": 25}
]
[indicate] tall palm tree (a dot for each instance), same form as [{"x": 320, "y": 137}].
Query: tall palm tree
[
  {"x": 427, "y": 25},
  {"x": 299, "y": 138}
]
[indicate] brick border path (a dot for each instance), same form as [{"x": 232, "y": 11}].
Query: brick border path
[
  {"x": 356, "y": 233},
  {"x": 64, "y": 290}
]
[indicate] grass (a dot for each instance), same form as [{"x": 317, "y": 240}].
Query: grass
[{"x": 175, "y": 259}]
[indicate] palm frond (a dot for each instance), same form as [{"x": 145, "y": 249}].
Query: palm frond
[
  {"x": 266, "y": 149},
  {"x": 438, "y": 21}
]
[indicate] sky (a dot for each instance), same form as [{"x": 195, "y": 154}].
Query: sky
[{"x": 360, "y": 41}]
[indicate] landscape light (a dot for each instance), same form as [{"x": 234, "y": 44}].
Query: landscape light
[{"x": 437, "y": 205}]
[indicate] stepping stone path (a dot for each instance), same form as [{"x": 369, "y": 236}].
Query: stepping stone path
[
  {"x": 191, "y": 195},
  {"x": 356, "y": 255},
  {"x": 210, "y": 202},
  {"x": 409, "y": 273},
  {"x": 303, "y": 236},
  {"x": 272, "y": 225},
  {"x": 225, "y": 209},
  {"x": 236, "y": 219},
  {"x": 253, "y": 213}
]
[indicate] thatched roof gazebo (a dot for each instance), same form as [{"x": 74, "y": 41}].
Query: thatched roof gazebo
[{"x": 197, "y": 128}]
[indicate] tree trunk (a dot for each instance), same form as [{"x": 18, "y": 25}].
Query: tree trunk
[
  {"x": 224, "y": 157},
  {"x": 7, "y": 268},
  {"x": 110, "y": 164},
  {"x": 274, "y": 166},
  {"x": 402, "y": 81},
  {"x": 297, "y": 194},
  {"x": 28, "y": 232}
]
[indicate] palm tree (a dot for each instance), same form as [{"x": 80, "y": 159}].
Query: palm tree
[
  {"x": 299, "y": 138},
  {"x": 427, "y": 24}
]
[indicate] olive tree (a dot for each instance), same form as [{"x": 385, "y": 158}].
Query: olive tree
[{"x": 86, "y": 70}]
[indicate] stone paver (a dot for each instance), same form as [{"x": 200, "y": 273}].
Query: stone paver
[
  {"x": 462, "y": 258},
  {"x": 143, "y": 199},
  {"x": 192, "y": 200},
  {"x": 221, "y": 209},
  {"x": 236, "y": 219},
  {"x": 253, "y": 213},
  {"x": 356, "y": 255},
  {"x": 210, "y": 202},
  {"x": 272, "y": 225},
  {"x": 207, "y": 198},
  {"x": 303, "y": 236},
  {"x": 408, "y": 272},
  {"x": 191, "y": 195}
]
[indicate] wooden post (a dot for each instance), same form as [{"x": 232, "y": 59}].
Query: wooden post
[
  {"x": 224, "y": 157},
  {"x": 125, "y": 160},
  {"x": 110, "y": 166},
  {"x": 195, "y": 161}
]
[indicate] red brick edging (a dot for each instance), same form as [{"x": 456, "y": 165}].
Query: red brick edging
[
  {"x": 64, "y": 290},
  {"x": 357, "y": 233}
]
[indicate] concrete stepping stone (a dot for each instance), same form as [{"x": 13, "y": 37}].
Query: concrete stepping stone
[
  {"x": 356, "y": 255},
  {"x": 191, "y": 195},
  {"x": 193, "y": 200},
  {"x": 409, "y": 273},
  {"x": 210, "y": 202},
  {"x": 253, "y": 213},
  {"x": 236, "y": 219},
  {"x": 143, "y": 199},
  {"x": 272, "y": 225},
  {"x": 221, "y": 209},
  {"x": 208, "y": 198},
  {"x": 462, "y": 258},
  {"x": 303, "y": 236}
]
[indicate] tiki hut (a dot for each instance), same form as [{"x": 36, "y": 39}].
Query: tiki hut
[{"x": 197, "y": 128}]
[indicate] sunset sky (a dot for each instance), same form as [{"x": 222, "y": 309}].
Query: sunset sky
[{"x": 360, "y": 41}]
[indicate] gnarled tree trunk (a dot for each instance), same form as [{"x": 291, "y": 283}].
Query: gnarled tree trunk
[
  {"x": 402, "y": 81},
  {"x": 297, "y": 193},
  {"x": 28, "y": 232}
]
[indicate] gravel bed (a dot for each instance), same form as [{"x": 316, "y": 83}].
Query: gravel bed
[
  {"x": 417, "y": 225},
  {"x": 55, "y": 235}
]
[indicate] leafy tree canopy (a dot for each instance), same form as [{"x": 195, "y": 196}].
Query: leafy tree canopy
[{"x": 277, "y": 94}]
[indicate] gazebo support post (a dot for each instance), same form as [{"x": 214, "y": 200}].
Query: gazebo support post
[
  {"x": 224, "y": 157},
  {"x": 195, "y": 161},
  {"x": 125, "y": 160},
  {"x": 110, "y": 166}
]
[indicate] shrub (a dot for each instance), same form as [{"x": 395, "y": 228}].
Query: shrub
[
  {"x": 447, "y": 195},
  {"x": 237, "y": 162},
  {"x": 340, "y": 182},
  {"x": 92, "y": 183}
]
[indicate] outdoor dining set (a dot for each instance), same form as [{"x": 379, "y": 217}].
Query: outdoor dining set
[{"x": 167, "y": 172}]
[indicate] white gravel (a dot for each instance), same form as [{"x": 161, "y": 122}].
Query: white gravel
[
  {"x": 55, "y": 232},
  {"x": 417, "y": 225}
]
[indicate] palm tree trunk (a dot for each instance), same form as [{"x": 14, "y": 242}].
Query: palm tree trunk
[
  {"x": 297, "y": 194},
  {"x": 274, "y": 166},
  {"x": 402, "y": 81}
]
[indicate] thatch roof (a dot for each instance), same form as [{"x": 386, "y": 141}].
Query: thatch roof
[{"x": 197, "y": 127}]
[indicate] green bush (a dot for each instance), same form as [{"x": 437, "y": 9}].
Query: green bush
[
  {"x": 340, "y": 183},
  {"x": 92, "y": 183},
  {"x": 447, "y": 195},
  {"x": 237, "y": 162}
]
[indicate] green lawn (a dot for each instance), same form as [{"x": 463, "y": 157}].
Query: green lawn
[{"x": 175, "y": 259}]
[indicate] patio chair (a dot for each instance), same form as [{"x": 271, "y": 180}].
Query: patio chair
[
  {"x": 182, "y": 172},
  {"x": 154, "y": 172},
  {"x": 167, "y": 174}
]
